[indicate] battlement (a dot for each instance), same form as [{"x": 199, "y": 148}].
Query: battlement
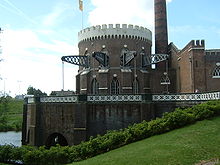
[
  {"x": 115, "y": 31},
  {"x": 194, "y": 45},
  {"x": 197, "y": 43}
]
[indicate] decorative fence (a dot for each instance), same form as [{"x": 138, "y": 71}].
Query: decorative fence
[
  {"x": 126, "y": 98},
  {"x": 115, "y": 98},
  {"x": 63, "y": 99},
  {"x": 187, "y": 97}
]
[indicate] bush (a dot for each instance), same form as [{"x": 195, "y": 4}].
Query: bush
[{"x": 177, "y": 119}]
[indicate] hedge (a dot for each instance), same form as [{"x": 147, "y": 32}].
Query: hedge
[{"x": 111, "y": 140}]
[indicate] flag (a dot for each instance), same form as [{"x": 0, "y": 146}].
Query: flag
[{"x": 81, "y": 5}]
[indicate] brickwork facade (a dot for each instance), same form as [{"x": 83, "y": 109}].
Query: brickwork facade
[
  {"x": 113, "y": 41},
  {"x": 195, "y": 68},
  {"x": 122, "y": 69}
]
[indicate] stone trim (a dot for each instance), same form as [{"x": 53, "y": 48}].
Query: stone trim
[{"x": 118, "y": 31}]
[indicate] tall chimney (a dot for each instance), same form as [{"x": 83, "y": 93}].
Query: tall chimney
[{"x": 161, "y": 36}]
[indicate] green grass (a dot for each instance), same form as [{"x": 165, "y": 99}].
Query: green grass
[
  {"x": 185, "y": 146},
  {"x": 13, "y": 114},
  {"x": 15, "y": 111}
]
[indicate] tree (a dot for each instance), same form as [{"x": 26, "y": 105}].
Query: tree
[{"x": 36, "y": 92}]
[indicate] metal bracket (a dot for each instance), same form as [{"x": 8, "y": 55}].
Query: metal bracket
[
  {"x": 77, "y": 60},
  {"x": 102, "y": 58}
]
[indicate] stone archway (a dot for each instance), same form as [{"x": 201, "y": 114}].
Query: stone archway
[{"x": 56, "y": 138}]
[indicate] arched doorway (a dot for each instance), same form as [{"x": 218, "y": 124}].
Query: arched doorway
[{"x": 56, "y": 138}]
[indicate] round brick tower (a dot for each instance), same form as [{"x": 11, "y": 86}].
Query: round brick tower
[{"x": 124, "y": 49}]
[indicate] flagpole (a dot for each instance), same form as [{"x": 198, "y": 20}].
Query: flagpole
[
  {"x": 82, "y": 19},
  {"x": 63, "y": 75}
]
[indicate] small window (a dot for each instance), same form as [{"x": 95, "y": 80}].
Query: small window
[
  {"x": 216, "y": 72},
  {"x": 196, "y": 63},
  {"x": 135, "y": 86},
  {"x": 94, "y": 87},
  {"x": 165, "y": 79},
  {"x": 115, "y": 87}
]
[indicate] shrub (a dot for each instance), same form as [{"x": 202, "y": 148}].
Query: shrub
[
  {"x": 177, "y": 119},
  {"x": 202, "y": 111},
  {"x": 5, "y": 153}
]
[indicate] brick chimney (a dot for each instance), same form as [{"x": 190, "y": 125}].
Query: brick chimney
[{"x": 161, "y": 36}]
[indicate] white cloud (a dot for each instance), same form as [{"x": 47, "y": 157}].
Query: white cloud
[
  {"x": 31, "y": 60},
  {"x": 138, "y": 12}
]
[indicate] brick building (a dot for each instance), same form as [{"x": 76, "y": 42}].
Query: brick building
[
  {"x": 116, "y": 83},
  {"x": 187, "y": 70},
  {"x": 197, "y": 69}
]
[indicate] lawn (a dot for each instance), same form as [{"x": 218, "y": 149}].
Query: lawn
[{"x": 185, "y": 146}]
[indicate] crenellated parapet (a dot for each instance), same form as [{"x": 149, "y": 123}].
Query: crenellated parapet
[
  {"x": 197, "y": 43},
  {"x": 115, "y": 31},
  {"x": 194, "y": 45}
]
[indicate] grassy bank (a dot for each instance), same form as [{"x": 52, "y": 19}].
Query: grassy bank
[
  {"x": 10, "y": 114},
  {"x": 185, "y": 146}
]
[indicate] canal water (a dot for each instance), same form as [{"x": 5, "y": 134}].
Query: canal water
[{"x": 10, "y": 137}]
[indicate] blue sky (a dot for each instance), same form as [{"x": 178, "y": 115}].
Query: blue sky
[{"x": 38, "y": 33}]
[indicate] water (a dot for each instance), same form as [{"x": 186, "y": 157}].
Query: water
[{"x": 10, "y": 137}]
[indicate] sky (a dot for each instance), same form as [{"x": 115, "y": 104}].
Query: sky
[{"x": 38, "y": 33}]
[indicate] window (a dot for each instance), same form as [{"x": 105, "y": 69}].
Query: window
[
  {"x": 145, "y": 59},
  {"x": 123, "y": 57},
  {"x": 94, "y": 87},
  {"x": 165, "y": 79},
  {"x": 196, "y": 63},
  {"x": 115, "y": 88},
  {"x": 135, "y": 86},
  {"x": 216, "y": 72}
]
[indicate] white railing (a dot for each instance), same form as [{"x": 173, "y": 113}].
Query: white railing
[
  {"x": 114, "y": 98},
  {"x": 63, "y": 99},
  {"x": 187, "y": 97},
  {"x": 128, "y": 98}
]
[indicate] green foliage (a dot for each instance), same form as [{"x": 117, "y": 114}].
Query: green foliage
[
  {"x": 36, "y": 92},
  {"x": 10, "y": 114},
  {"x": 4, "y": 105},
  {"x": 112, "y": 139}
]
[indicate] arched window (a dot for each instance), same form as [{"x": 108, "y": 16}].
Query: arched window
[
  {"x": 94, "y": 87},
  {"x": 165, "y": 79},
  {"x": 115, "y": 87},
  {"x": 216, "y": 72},
  {"x": 135, "y": 86}
]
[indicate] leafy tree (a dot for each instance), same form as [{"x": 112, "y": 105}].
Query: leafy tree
[
  {"x": 4, "y": 101},
  {"x": 36, "y": 92},
  {"x": 53, "y": 93}
]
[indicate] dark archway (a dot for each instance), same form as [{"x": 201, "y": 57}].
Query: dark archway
[{"x": 56, "y": 138}]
